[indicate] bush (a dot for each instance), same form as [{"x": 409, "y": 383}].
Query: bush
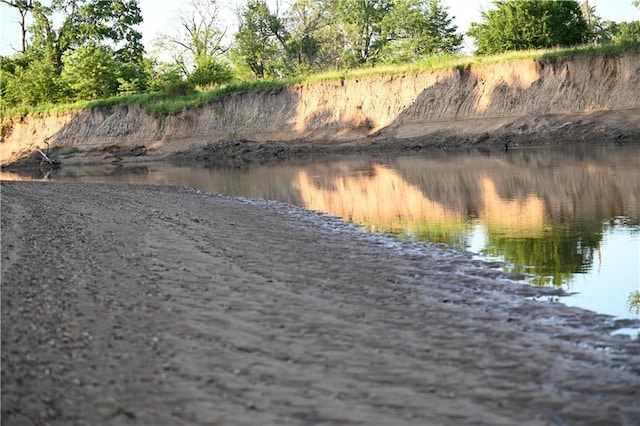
[
  {"x": 528, "y": 24},
  {"x": 179, "y": 88},
  {"x": 91, "y": 72},
  {"x": 211, "y": 72}
]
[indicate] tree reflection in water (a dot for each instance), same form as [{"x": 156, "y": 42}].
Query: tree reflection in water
[
  {"x": 546, "y": 210},
  {"x": 564, "y": 249}
]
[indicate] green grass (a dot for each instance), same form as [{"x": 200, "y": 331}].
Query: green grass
[
  {"x": 443, "y": 62},
  {"x": 159, "y": 104}
]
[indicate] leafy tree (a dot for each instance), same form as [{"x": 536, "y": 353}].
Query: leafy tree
[
  {"x": 30, "y": 81},
  {"x": 359, "y": 28},
  {"x": 166, "y": 77},
  {"x": 634, "y": 302},
  {"x": 198, "y": 46},
  {"x": 621, "y": 32},
  {"x": 210, "y": 71},
  {"x": 601, "y": 31},
  {"x": 309, "y": 42},
  {"x": 91, "y": 72},
  {"x": 261, "y": 40},
  {"x": 418, "y": 28},
  {"x": 595, "y": 24},
  {"x": 105, "y": 28},
  {"x": 528, "y": 24},
  {"x": 40, "y": 32},
  {"x": 111, "y": 23},
  {"x": 102, "y": 21}
]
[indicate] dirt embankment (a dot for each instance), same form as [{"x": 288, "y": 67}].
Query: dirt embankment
[{"x": 581, "y": 98}]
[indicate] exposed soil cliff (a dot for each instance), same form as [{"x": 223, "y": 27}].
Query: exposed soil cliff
[{"x": 581, "y": 98}]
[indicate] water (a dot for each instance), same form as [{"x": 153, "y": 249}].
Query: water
[{"x": 566, "y": 217}]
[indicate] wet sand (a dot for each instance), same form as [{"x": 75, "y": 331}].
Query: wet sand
[{"x": 141, "y": 305}]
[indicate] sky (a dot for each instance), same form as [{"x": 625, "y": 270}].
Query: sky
[{"x": 160, "y": 16}]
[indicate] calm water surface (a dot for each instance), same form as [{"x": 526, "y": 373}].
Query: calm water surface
[{"x": 569, "y": 217}]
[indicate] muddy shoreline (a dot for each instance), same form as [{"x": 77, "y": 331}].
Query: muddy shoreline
[
  {"x": 125, "y": 304},
  {"x": 245, "y": 152}
]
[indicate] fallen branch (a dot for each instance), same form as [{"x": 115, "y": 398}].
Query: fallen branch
[{"x": 45, "y": 155}]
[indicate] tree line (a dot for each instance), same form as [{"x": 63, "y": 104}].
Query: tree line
[{"x": 90, "y": 49}]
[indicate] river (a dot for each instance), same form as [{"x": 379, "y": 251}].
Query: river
[{"x": 567, "y": 217}]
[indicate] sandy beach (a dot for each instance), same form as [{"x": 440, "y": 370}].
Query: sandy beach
[{"x": 141, "y": 305}]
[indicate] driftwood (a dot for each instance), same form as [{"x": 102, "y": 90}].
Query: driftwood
[{"x": 45, "y": 155}]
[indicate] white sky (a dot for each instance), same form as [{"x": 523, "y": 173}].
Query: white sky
[{"x": 160, "y": 16}]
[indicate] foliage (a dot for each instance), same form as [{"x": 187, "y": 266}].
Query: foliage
[
  {"x": 418, "y": 28},
  {"x": 620, "y": 32},
  {"x": 261, "y": 40},
  {"x": 90, "y": 71},
  {"x": 528, "y": 24},
  {"x": 28, "y": 81},
  {"x": 634, "y": 302},
  {"x": 359, "y": 28},
  {"x": 109, "y": 22},
  {"x": 197, "y": 46},
  {"x": 210, "y": 71},
  {"x": 162, "y": 75},
  {"x": 604, "y": 32},
  {"x": 310, "y": 39},
  {"x": 316, "y": 35},
  {"x": 94, "y": 52}
]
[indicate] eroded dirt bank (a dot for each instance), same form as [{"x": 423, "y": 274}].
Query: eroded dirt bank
[
  {"x": 149, "y": 305},
  {"x": 576, "y": 99}
]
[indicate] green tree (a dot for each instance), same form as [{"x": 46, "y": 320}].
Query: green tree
[
  {"x": 198, "y": 46},
  {"x": 28, "y": 81},
  {"x": 528, "y": 24},
  {"x": 90, "y": 72},
  {"x": 210, "y": 71},
  {"x": 594, "y": 22},
  {"x": 261, "y": 40},
  {"x": 359, "y": 29},
  {"x": 309, "y": 41},
  {"x": 166, "y": 77},
  {"x": 39, "y": 32},
  {"x": 85, "y": 25},
  {"x": 418, "y": 28},
  {"x": 620, "y": 32},
  {"x": 109, "y": 22}
]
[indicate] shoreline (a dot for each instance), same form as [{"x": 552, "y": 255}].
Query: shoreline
[
  {"x": 244, "y": 152},
  {"x": 156, "y": 305}
]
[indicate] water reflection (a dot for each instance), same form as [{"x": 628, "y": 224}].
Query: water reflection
[
  {"x": 380, "y": 199},
  {"x": 549, "y": 210},
  {"x": 543, "y": 210}
]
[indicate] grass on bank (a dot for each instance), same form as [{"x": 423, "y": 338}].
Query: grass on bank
[{"x": 162, "y": 104}]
